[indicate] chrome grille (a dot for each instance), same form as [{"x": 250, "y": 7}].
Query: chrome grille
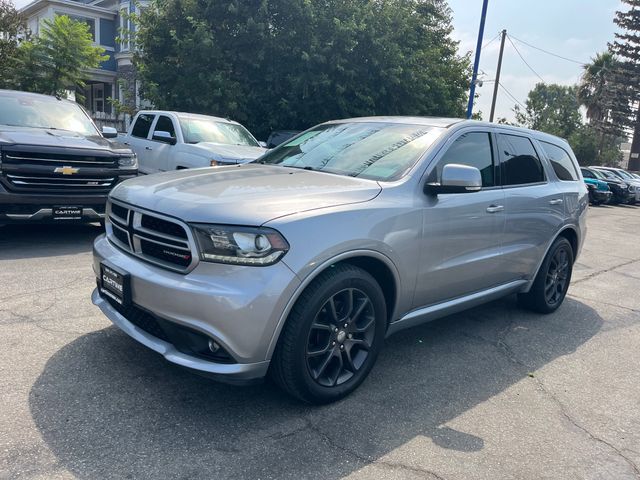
[
  {"x": 87, "y": 184},
  {"x": 152, "y": 237},
  {"x": 49, "y": 158}
]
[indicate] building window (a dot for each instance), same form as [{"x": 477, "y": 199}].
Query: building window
[{"x": 89, "y": 21}]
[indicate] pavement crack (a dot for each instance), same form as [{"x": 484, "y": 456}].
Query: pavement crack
[
  {"x": 615, "y": 305},
  {"x": 366, "y": 459},
  {"x": 606, "y": 270},
  {"x": 507, "y": 351}
]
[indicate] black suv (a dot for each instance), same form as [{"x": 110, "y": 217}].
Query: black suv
[{"x": 55, "y": 165}]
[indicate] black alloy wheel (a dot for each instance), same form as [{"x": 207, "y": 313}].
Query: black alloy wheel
[
  {"x": 332, "y": 337},
  {"x": 340, "y": 337},
  {"x": 552, "y": 281},
  {"x": 556, "y": 280}
]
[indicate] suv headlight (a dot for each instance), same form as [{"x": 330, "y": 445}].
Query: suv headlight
[
  {"x": 239, "y": 245},
  {"x": 128, "y": 161}
]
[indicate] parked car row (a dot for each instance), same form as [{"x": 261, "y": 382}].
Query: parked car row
[{"x": 611, "y": 185}]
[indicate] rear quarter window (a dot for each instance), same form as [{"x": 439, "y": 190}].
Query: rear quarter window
[{"x": 561, "y": 162}]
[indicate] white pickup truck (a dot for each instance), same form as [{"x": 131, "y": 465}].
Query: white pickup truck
[{"x": 172, "y": 141}]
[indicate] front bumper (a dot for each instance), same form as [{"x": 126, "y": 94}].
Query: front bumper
[
  {"x": 28, "y": 207},
  {"x": 600, "y": 196},
  {"x": 238, "y": 307}
]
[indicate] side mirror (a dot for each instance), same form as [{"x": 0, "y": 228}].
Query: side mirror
[
  {"x": 263, "y": 144},
  {"x": 165, "y": 137},
  {"x": 109, "y": 132},
  {"x": 456, "y": 179}
]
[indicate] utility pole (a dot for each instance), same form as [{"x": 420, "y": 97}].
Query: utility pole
[
  {"x": 497, "y": 84},
  {"x": 474, "y": 78}
]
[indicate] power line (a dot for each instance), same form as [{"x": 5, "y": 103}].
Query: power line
[
  {"x": 522, "y": 58},
  {"x": 548, "y": 52},
  {"x": 512, "y": 97},
  {"x": 491, "y": 41}
]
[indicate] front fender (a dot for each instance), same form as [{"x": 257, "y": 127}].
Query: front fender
[{"x": 313, "y": 274}]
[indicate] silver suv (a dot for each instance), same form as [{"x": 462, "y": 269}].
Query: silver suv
[{"x": 301, "y": 263}]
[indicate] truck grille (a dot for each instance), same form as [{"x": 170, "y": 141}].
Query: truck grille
[
  {"x": 159, "y": 240},
  {"x": 53, "y": 158},
  {"x": 85, "y": 184},
  {"x": 53, "y": 170}
]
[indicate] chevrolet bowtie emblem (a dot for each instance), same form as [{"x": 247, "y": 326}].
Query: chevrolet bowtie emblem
[{"x": 66, "y": 170}]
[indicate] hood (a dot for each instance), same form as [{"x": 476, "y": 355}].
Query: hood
[
  {"x": 249, "y": 194},
  {"x": 231, "y": 153},
  {"x": 44, "y": 137},
  {"x": 599, "y": 184}
]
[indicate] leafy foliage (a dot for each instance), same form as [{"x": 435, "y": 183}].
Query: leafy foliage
[
  {"x": 58, "y": 59},
  {"x": 555, "y": 109},
  {"x": 625, "y": 94},
  {"x": 275, "y": 64},
  {"x": 12, "y": 28},
  {"x": 551, "y": 108}
]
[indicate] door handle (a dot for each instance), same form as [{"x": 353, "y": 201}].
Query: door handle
[
  {"x": 148, "y": 148},
  {"x": 495, "y": 208},
  {"x": 556, "y": 201}
]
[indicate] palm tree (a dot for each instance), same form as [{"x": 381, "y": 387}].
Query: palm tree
[
  {"x": 594, "y": 88},
  {"x": 597, "y": 93}
]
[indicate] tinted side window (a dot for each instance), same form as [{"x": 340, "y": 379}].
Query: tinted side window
[
  {"x": 520, "y": 163},
  {"x": 142, "y": 126},
  {"x": 587, "y": 173},
  {"x": 164, "y": 124},
  {"x": 473, "y": 149},
  {"x": 561, "y": 162}
]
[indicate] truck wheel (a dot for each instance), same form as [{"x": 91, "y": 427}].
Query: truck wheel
[
  {"x": 332, "y": 337},
  {"x": 552, "y": 282}
]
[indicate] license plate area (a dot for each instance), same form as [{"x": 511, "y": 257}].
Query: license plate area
[
  {"x": 115, "y": 284},
  {"x": 62, "y": 212}
]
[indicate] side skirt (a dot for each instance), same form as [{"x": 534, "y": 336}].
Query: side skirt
[{"x": 439, "y": 310}]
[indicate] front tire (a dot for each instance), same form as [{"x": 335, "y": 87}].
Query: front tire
[
  {"x": 552, "y": 281},
  {"x": 332, "y": 337}
]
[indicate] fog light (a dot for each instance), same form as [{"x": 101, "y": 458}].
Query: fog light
[{"x": 213, "y": 346}]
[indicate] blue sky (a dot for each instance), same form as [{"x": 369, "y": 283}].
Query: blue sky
[
  {"x": 576, "y": 29},
  {"x": 572, "y": 28}
]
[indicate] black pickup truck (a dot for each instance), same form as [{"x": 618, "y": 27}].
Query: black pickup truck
[{"x": 55, "y": 165}]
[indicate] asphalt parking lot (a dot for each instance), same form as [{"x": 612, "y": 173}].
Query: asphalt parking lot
[{"x": 492, "y": 393}]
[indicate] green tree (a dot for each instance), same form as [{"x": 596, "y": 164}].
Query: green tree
[
  {"x": 597, "y": 92},
  {"x": 293, "y": 63},
  {"x": 58, "y": 59},
  {"x": 626, "y": 89},
  {"x": 551, "y": 108},
  {"x": 594, "y": 87},
  {"x": 12, "y": 28},
  {"x": 592, "y": 149}
]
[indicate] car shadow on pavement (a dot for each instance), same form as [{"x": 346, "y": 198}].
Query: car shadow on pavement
[
  {"x": 109, "y": 408},
  {"x": 46, "y": 240}
]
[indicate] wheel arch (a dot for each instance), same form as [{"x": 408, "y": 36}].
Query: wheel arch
[
  {"x": 378, "y": 265},
  {"x": 570, "y": 233}
]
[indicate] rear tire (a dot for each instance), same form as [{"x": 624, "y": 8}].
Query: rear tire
[
  {"x": 552, "y": 281},
  {"x": 332, "y": 337}
]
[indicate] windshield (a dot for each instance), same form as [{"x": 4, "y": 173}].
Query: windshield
[
  {"x": 202, "y": 129},
  {"x": 624, "y": 174},
  {"x": 609, "y": 175},
  {"x": 373, "y": 150},
  {"x": 44, "y": 112}
]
